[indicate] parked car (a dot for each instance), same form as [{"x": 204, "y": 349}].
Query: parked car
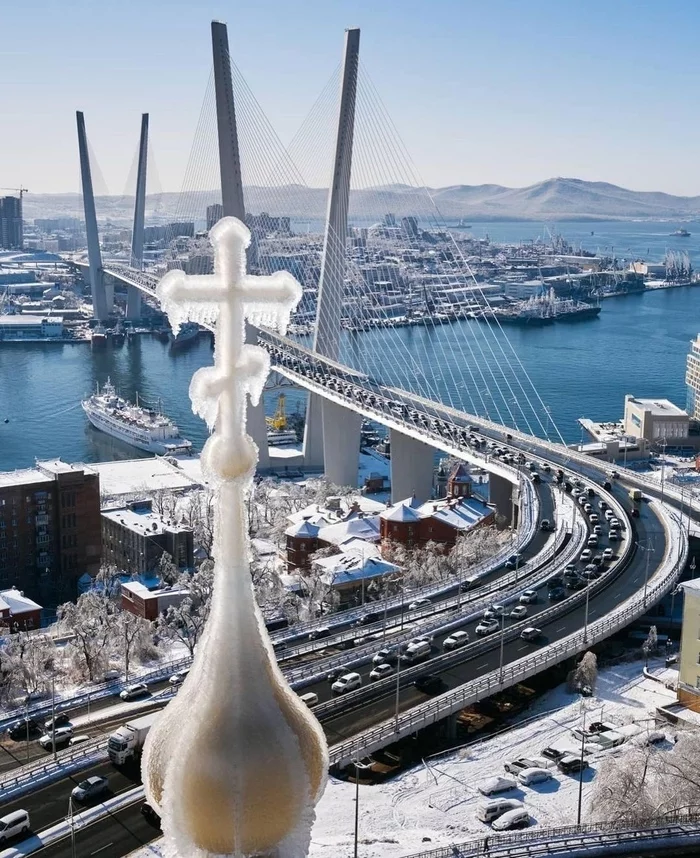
[
  {"x": 535, "y": 775},
  {"x": 528, "y": 597},
  {"x": 346, "y": 682},
  {"x": 518, "y": 818},
  {"x": 133, "y": 692},
  {"x": 497, "y": 784},
  {"x": 519, "y": 612},
  {"x": 487, "y": 811},
  {"x": 91, "y": 787},
  {"x": 530, "y": 634},
  {"x": 381, "y": 671},
  {"x": 419, "y": 603},
  {"x": 487, "y": 627},
  {"x": 455, "y": 640},
  {"x": 571, "y": 764},
  {"x": 514, "y": 767},
  {"x": 61, "y": 736}
]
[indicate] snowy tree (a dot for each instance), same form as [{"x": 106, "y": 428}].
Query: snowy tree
[
  {"x": 27, "y": 664},
  {"x": 168, "y": 572},
  {"x": 583, "y": 677},
  {"x": 648, "y": 783},
  {"x": 650, "y": 645},
  {"x": 91, "y": 622},
  {"x": 133, "y": 636},
  {"x": 199, "y": 515},
  {"x": 185, "y": 622}
]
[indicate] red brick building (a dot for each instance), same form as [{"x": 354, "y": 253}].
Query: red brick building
[
  {"x": 139, "y": 600},
  {"x": 50, "y": 529},
  {"x": 17, "y": 612},
  {"x": 441, "y": 521},
  {"x": 302, "y": 541}
]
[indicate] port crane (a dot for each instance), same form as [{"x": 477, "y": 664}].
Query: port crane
[{"x": 278, "y": 421}]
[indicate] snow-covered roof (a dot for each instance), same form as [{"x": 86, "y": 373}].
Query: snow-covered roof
[
  {"x": 23, "y": 477},
  {"x": 349, "y": 507},
  {"x": 133, "y": 476},
  {"x": 366, "y": 528},
  {"x": 17, "y": 602},
  {"x": 402, "y": 511},
  {"x": 264, "y": 547},
  {"x": 460, "y": 474},
  {"x": 461, "y": 514},
  {"x": 142, "y": 520},
  {"x": 303, "y": 530},
  {"x": 347, "y": 568}
]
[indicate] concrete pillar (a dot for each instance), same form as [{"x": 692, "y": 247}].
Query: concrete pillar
[
  {"x": 100, "y": 305},
  {"x": 331, "y": 282},
  {"x": 412, "y": 467},
  {"x": 232, "y": 191},
  {"x": 504, "y": 495},
  {"x": 313, "y": 433},
  {"x": 133, "y": 295},
  {"x": 341, "y": 443}
]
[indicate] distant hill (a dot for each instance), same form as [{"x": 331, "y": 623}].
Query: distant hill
[{"x": 552, "y": 200}]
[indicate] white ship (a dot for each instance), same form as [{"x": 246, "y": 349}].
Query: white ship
[{"x": 141, "y": 427}]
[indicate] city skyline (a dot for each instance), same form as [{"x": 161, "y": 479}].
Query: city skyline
[{"x": 598, "y": 102}]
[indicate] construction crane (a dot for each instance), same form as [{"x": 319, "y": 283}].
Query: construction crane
[
  {"x": 21, "y": 191},
  {"x": 278, "y": 421}
]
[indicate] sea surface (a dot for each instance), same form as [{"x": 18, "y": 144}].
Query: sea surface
[{"x": 637, "y": 345}]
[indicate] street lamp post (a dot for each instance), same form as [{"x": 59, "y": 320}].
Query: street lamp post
[
  {"x": 585, "y": 620},
  {"x": 53, "y": 713},
  {"x": 503, "y": 634},
  {"x": 72, "y": 825},
  {"x": 663, "y": 467},
  {"x": 398, "y": 690},
  {"x": 580, "y": 771}
]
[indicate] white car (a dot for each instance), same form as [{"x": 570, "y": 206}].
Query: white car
[
  {"x": 530, "y": 633},
  {"x": 381, "y": 671},
  {"x": 586, "y": 555},
  {"x": 133, "y": 692},
  {"x": 179, "y": 677},
  {"x": 497, "y": 784},
  {"x": 528, "y": 597},
  {"x": 494, "y": 611},
  {"x": 608, "y": 554},
  {"x": 347, "y": 682},
  {"x": 518, "y": 612},
  {"x": 534, "y": 776},
  {"x": 419, "y": 603},
  {"x": 456, "y": 639},
  {"x": 63, "y": 736},
  {"x": 487, "y": 627}
]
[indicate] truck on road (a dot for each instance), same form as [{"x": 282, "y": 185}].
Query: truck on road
[
  {"x": 635, "y": 495},
  {"x": 126, "y": 743}
]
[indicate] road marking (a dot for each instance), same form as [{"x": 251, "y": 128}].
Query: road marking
[
  {"x": 617, "y": 595},
  {"x": 560, "y": 629},
  {"x": 482, "y": 665},
  {"x": 102, "y": 848}
]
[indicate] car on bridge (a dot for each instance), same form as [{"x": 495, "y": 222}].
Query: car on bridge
[
  {"x": 91, "y": 787},
  {"x": 381, "y": 671},
  {"x": 419, "y": 603},
  {"x": 317, "y": 634},
  {"x": 369, "y": 617},
  {"x": 386, "y": 655},
  {"x": 23, "y": 728},
  {"x": 346, "y": 682},
  {"x": 557, "y": 594},
  {"x": 133, "y": 692},
  {"x": 455, "y": 640},
  {"x": 519, "y": 612},
  {"x": 531, "y": 634},
  {"x": 430, "y": 684},
  {"x": 528, "y": 597},
  {"x": 59, "y": 721},
  {"x": 514, "y": 561},
  {"x": 494, "y": 611},
  {"x": 58, "y": 738},
  {"x": 487, "y": 627}
]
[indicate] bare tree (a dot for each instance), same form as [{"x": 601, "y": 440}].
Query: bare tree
[
  {"x": 134, "y": 637},
  {"x": 185, "y": 622}
]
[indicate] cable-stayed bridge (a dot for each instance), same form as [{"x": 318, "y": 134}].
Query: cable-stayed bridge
[{"x": 376, "y": 335}]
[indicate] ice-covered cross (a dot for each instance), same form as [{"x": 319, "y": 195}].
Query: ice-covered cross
[
  {"x": 228, "y": 298},
  {"x": 236, "y": 762}
]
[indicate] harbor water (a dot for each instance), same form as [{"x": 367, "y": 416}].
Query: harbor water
[{"x": 637, "y": 345}]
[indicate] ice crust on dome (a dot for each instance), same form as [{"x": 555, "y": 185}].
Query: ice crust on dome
[{"x": 236, "y": 763}]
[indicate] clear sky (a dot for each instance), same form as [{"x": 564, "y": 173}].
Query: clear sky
[{"x": 505, "y": 91}]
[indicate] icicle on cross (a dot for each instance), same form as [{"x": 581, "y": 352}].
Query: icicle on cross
[{"x": 229, "y": 297}]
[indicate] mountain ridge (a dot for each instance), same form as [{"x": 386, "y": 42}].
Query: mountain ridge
[{"x": 558, "y": 198}]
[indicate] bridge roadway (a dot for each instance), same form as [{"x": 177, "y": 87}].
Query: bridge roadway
[{"x": 48, "y": 805}]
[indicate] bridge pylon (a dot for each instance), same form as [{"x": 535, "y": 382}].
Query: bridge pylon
[
  {"x": 133, "y": 295},
  {"x": 102, "y": 297},
  {"x": 332, "y": 433},
  {"x": 232, "y": 193}
]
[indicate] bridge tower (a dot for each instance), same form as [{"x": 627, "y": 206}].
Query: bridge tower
[
  {"x": 102, "y": 297},
  {"x": 332, "y": 433},
  {"x": 232, "y": 192},
  {"x": 133, "y": 295}
]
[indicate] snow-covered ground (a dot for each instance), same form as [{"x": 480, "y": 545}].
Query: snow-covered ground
[
  {"x": 437, "y": 800},
  {"x": 434, "y": 803}
]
